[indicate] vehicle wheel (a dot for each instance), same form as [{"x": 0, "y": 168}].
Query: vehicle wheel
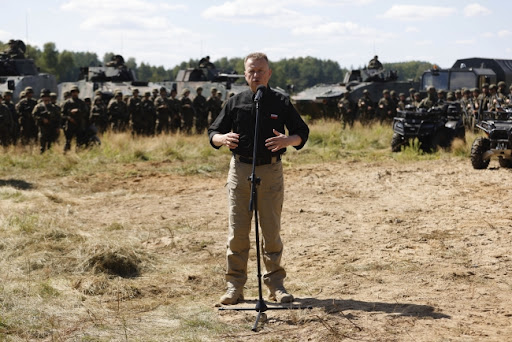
[
  {"x": 441, "y": 139},
  {"x": 396, "y": 142},
  {"x": 479, "y": 147},
  {"x": 505, "y": 163}
]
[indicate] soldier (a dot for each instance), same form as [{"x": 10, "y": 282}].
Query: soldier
[
  {"x": 48, "y": 118},
  {"x": 15, "y": 50},
  {"x": 135, "y": 111},
  {"x": 163, "y": 111},
  {"x": 200, "y": 110},
  {"x": 25, "y": 107},
  {"x": 483, "y": 100},
  {"x": 385, "y": 107},
  {"x": 118, "y": 112},
  {"x": 175, "y": 106},
  {"x": 429, "y": 101},
  {"x": 494, "y": 100},
  {"x": 74, "y": 112},
  {"x": 148, "y": 114},
  {"x": 347, "y": 110},
  {"x": 98, "y": 115},
  {"x": 410, "y": 98},
  {"x": 366, "y": 108},
  {"x": 458, "y": 95},
  {"x": 154, "y": 95},
  {"x": 15, "y": 128},
  {"x": 441, "y": 97},
  {"x": 402, "y": 102},
  {"x": 374, "y": 63},
  {"x": 187, "y": 111},
  {"x": 65, "y": 96},
  {"x": 214, "y": 105},
  {"x": 417, "y": 100},
  {"x": 6, "y": 124},
  {"x": 502, "y": 91}
]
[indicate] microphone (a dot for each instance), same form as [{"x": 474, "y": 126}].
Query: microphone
[{"x": 259, "y": 93}]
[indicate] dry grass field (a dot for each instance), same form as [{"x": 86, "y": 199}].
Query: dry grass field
[{"x": 126, "y": 242}]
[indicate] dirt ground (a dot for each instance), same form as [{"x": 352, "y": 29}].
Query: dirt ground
[{"x": 384, "y": 251}]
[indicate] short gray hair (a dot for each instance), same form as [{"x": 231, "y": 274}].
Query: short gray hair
[{"x": 256, "y": 55}]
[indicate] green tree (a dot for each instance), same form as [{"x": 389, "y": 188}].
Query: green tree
[{"x": 66, "y": 69}]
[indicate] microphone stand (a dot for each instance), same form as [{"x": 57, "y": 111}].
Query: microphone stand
[{"x": 261, "y": 306}]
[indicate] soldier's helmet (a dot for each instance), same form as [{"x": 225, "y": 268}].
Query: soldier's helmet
[
  {"x": 431, "y": 89},
  {"x": 29, "y": 90},
  {"x": 74, "y": 88},
  {"x": 485, "y": 85},
  {"x": 135, "y": 90},
  {"x": 163, "y": 89},
  {"x": 385, "y": 91},
  {"x": 392, "y": 93},
  {"x": 23, "y": 94},
  {"x": 118, "y": 93},
  {"x": 185, "y": 91},
  {"x": 66, "y": 94},
  {"x": 493, "y": 86},
  {"x": 502, "y": 84},
  {"x": 45, "y": 93},
  {"x": 440, "y": 91},
  {"x": 412, "y": 90},
  {"x": 98, "y": 92},
  {"x": 458, "y": 91},
  {"x": 416, "y": 94},
  {"x": 366, "y": 91},
  {"x": 147, "y": 93},
  {"x": 401, "y": 95},
  {"x": 53, "y": 95},
  {"x": 199, "y": 88},
  {"x": 7, "y": 92},
  {"x": 214, "y": 90}
]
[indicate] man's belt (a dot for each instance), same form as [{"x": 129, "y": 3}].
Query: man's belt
[{"x": 259, "y": 160}]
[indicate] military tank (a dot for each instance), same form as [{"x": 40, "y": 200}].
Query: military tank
[
  {"x": 18, "y": 72},
  {"x": 321, "y": 100},
  {"x": 207, "y": 76},
  {"x": 109, "y": 78}
]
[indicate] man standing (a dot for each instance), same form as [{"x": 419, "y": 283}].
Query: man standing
[
  {"x": 163, "y": 111},
  {"x": 48, "y": 119},
  {"x": 234, "y": 128},
  {"x": 74, "y": 111},
  {"x": 118, "y": 112},
  {"x": 27, "y": 122},
  {"x": 346, "y": 108},
  {"x": 187, "y": 111},
  {"x": 15, "y": 129},
  {"x": 135, "y": 113},
  {"x": 214, "y": 104},
  {"x": 200, "y": 110}
]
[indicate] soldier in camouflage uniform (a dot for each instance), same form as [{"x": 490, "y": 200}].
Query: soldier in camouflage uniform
[
  {"x": 200, "y": 111},
  {"x": 175, "y": 108},
  {"x": 441, "y": 97},
  {"x": 27, "y": 123},
  {"x": 366, "y": 108},
  {"x": 347, "y": 110},
  {"x": 483, "y": 100},
  {"x": 431, "y": 99},
  {"x": 402, "y": 102},
  {"x": 187, "y": 112},
  {"x": 502, "y": 91},
  {"x": 48, "y": 118},
  {"x": 6, "y": 124},
  {"x": 118, "y": 113},
  {"x": 135, "y": 111},
  {"x": 385, "y": 106},
  {"x": 214, "y": 105},
  {"x": 74, "y": 114},
  {"x": 410, "y": 98},
  {"x": 494, "y": 101},
  {"x": 417, "y": 100},
  {"x": 98, "y": 115},
  {"x": 148, "y": 114},
  {"x": 163, "y": 111},
  {"x": 15, "y": 128}
]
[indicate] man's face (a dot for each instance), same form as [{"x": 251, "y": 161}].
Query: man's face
[{"x": 257, "y": 72}]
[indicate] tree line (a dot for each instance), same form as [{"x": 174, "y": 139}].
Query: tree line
[{"x": 301, "y": 72}]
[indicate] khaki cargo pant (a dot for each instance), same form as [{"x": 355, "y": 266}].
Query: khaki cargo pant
[{"x": 270, "y": 202}]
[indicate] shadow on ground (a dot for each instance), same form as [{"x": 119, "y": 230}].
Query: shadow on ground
[{"x": 17, "y": 184}]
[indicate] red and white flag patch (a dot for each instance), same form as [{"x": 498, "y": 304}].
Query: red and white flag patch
[{"x": 273, "y": 116}]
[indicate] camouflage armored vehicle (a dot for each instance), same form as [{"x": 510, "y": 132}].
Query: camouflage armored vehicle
[
  {"x": 436, "y": 127},
  {"x": 109, "y": 78},
  {"x": 18, "y": 72},
  {"x": 205, "y": 75},
  {"x": 497, "y": 126},
  {"x": 321, "y": 100}
]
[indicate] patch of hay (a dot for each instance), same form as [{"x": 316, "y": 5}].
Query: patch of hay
[{"x": 117, "y": 262}]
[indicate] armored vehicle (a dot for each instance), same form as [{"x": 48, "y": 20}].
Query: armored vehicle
[
  {"x": 109, "y": 78},
  {"x": 468, "y": 73},
  {"x": 18, "y": 72},
  {"x": 497, "y": 126},
  {"x": 435, "y": 127},
  {"x": 321, "y": 100},
  {"x": 208, "y": 77}
]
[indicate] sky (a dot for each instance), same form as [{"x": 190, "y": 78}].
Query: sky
[{"x": 349, "y": 32}]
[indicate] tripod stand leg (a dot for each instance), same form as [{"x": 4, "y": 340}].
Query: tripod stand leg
[{"x": 263, "y": 317}]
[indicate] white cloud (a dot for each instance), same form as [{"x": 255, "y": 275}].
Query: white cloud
[
  {"x": 423, "y": 42},
  {"x": 126, "y": 6},
  {"x": 340, "y": 30},
  {"x": 465, "y": 42},
  {"x": 411, "y": 29},
  {"x": 414, "y": 12},
  {"x": 504, "y": 33},
  {"x": 473, "y": 10},
  {"x": 487, "y": 35}
]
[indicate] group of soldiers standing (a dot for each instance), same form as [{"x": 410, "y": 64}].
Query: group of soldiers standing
[
  {"x": 31, "y": 121},
  {"x": 472, "y": 102}
]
